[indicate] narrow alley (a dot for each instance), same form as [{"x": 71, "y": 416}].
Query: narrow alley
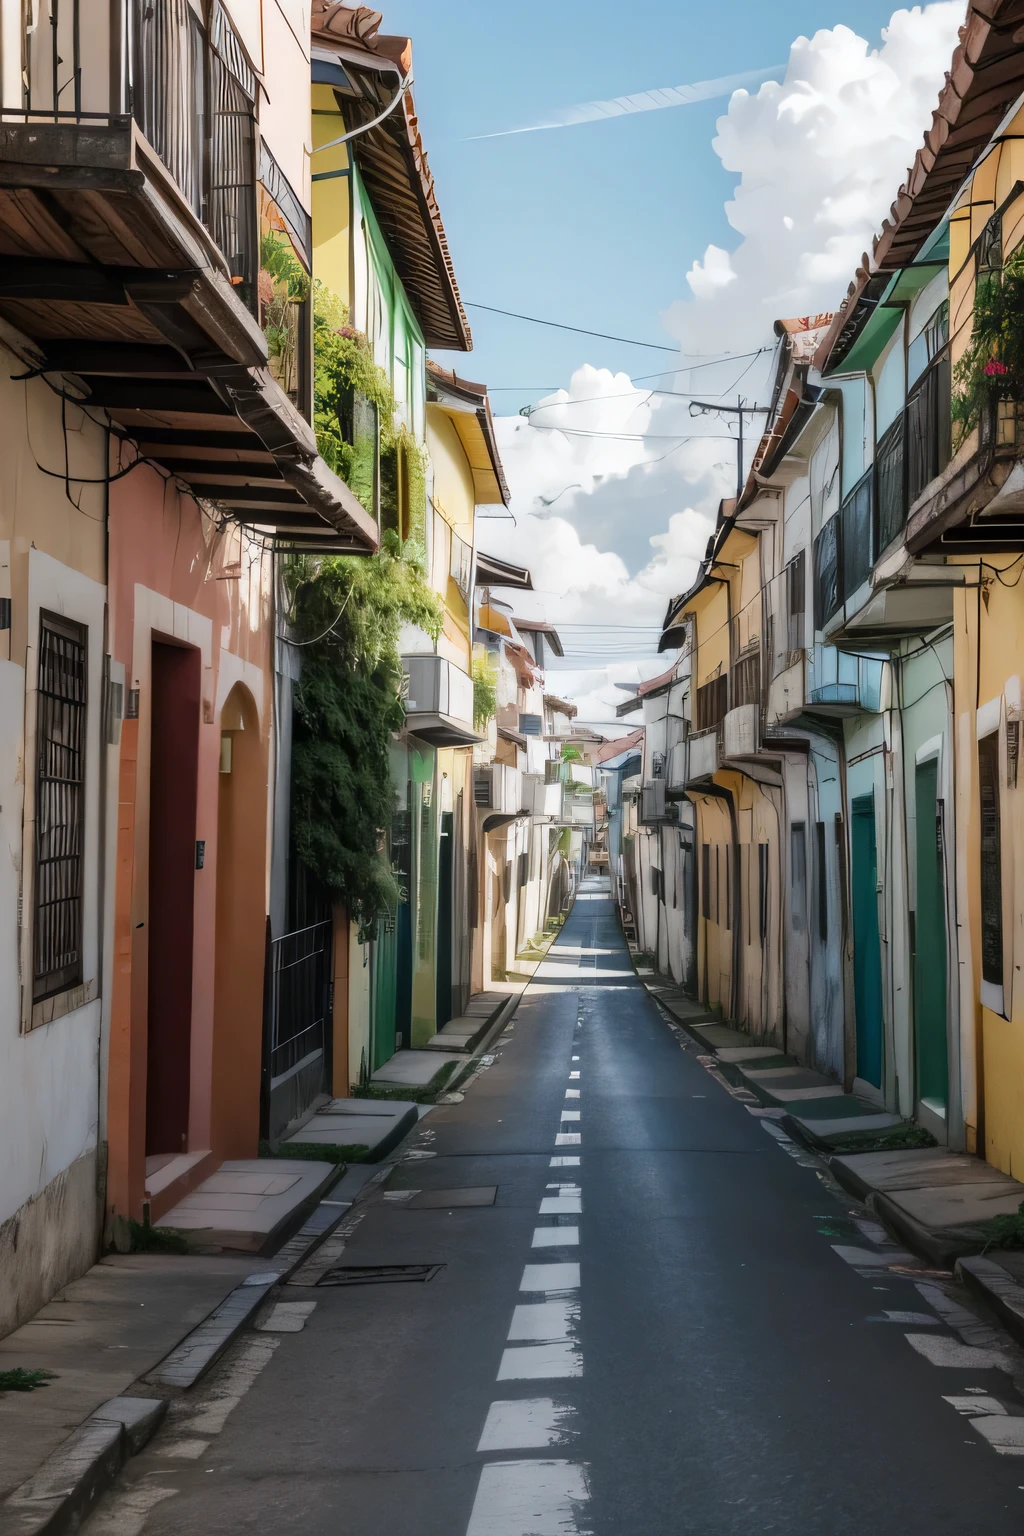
[{"x": 640, "y": 1308}]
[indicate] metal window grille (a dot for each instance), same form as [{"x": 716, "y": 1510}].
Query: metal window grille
[
  {"x": 858, "y": 543},
  {"x": 745, "y": 680},
  {"x": 795, "y": 601},
  {"x": 991, "y": 861},
  {"x": 928, "y": 428},
  {"x": 712, "y": 703},
  {"x": 827, "y": 575},
  {"x": 60, "y": 821},
  {"x": 892, "y": 483},
  {"x": 819, "y": 835}
]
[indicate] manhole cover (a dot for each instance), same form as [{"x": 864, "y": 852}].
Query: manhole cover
[
  {"x": 448, "y": 1199},
  {"x": 379, "y": 1274}
]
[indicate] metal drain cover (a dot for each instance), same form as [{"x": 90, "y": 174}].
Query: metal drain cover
[{"x": 379, "y": 1274}]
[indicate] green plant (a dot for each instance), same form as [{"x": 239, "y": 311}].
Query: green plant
[
  {"x": 354, "y": 416},
  {"x": 903, "y": 1138},
  {"x": 148, "y": 1239},
  {"x": 315, "y": 1152},
  {"x": 485, "y": 691},
  {"x": 21, "y": 1380},
  {"x": 991, "y": 367},
  {"x": 347, "y": 612},
  {"x": 571, "y": 754},
  {"x": 578, "y": 787},
  {"x": 1005, "y": 1231},
  {"x": 425, "y": 1094},
  {"x": 283, "y": 284}
]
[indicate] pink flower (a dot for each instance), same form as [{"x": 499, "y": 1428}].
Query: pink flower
[{"x": 994, "y": 368}]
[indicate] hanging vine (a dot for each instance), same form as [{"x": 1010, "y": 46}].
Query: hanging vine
[
  {"x": 347, "y": 613},
  {"x": 355, "y": 418}
]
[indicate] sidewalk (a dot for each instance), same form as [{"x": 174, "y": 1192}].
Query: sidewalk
[
  {"x": 134, "y": 1332},
  {"x": 936, "y": 1201}
]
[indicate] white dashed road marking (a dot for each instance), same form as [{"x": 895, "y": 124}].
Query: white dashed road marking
[
  {"x": 541, "y": 1362},
  {"x": 564, "y": 1162},
  {"x": 529, "y": 1498},
  {"x": 550, "y": 1277},
  {"x": 568, "y": 1138},
  {"x": 543, "y": 1321},
  {"x": 529, "y": 1424},
  {"x": 555, "y": 1237}
]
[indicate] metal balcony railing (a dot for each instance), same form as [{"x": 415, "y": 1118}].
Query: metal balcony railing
[{"x": 188, "y": 86}]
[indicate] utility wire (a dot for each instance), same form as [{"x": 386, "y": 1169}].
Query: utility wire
[{"x": 579, "y": 330}]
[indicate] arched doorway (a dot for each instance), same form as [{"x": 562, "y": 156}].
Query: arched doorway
[{"x": 241, "y": 928}]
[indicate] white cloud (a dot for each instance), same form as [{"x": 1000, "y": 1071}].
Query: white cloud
[
  {"x": 612, "y": 526},
  {"x": 819, "y": 159}
]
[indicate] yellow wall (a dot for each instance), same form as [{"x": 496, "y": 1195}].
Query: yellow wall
[
  {"x": 332, "y": 199},
  {"x": 454, "y": 500},
  {"x": 992, "y": 1045}
]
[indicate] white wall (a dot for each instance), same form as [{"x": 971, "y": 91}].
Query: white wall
[{"x": 49, "y": 1076}]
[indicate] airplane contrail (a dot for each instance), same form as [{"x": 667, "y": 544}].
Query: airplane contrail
[{"x": 645, "y": 101}]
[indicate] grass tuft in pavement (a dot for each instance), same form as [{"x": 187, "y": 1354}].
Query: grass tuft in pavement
[
  {"x": 147, "y": 1239},
  {"x": 315, "y": 1152},
  {"x": 425, "y": 1094},
  {"x": 1004, "y": 1231},
  {"x": 20, "y": 1380},
  {"x": 902, "y": 1138}
]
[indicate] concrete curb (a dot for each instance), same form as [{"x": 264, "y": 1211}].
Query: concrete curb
[
  {"x": 494, "y": 1029},
  {"x": 1002, "y": 1292},
  {"x": 942, "y": 1246},
  {"x": 59, "y": 1495}
]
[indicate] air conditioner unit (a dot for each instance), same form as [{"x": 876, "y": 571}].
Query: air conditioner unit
[{"x": 652, "y": 806}]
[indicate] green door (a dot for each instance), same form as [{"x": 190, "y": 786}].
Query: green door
[
  {"x": 867, "y": 953},
  {"x": 444, "y": 920},
  {"x": 930, "y": 946},
  {"x": 383, "y": 994}
]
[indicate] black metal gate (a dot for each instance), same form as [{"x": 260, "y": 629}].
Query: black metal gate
[{"x": 298, "y": 1006}]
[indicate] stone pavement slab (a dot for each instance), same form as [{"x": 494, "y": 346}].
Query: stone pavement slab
[
  {"x": 919, "y": 1168},
  {"x": 377, "y": 1124},
  {"x": 100, "y": 1334},
  {"x": 413, "y": 1069},
  {"x": 761, "y": 1054},
  {"x": 247, "y": 1203}
]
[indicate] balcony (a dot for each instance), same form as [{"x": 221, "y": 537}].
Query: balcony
[
  {"x": 741, "y": 731},
  {"x": 439, "y": 701},
  {"x": 128, "y": 154},
  {"x": 653, "y": 807},
  {"x": 498, "y": 787},
  {"x": 578, "y": 810},
  {"x": 540, "y": 798},
  {"x": 705, "y": 754},
  {"x": 977, "y": 503}
]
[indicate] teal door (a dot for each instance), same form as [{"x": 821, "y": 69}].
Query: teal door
[
  {"x": 867, "y": 953},
  {"x": 445, "y": 932},
  {"x": 930, "y": 946},
  {"x": 383, "y": 994}
]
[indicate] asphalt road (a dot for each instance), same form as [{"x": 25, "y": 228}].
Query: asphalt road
[{"x": 712, "y": 1366}]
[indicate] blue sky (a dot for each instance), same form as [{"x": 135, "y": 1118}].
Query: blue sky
[{"x": 594, "y": 225}]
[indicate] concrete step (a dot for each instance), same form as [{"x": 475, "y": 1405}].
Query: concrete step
[{"x": 377, "y": 1124}]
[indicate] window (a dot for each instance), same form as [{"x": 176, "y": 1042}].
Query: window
[
  {"x": 712, "y": 703},
  {"x": 795, "y": 602},
  {"x": 762, "y": 891},
  {"x": 727, "y": 852},
  {"x": 60, "y": 821},
  {"x": 819, "y": 836},
  {"x": 827, "y": 575},
  {"x": 460, "y": 564},
  {"x": 705, "y": 881},
  {"x": 745, "y": 679},
  {"x": 991, "y": 862},
  {"x": 929, "y": 343},
  {"x": 798, "y": 874},
  {"x": 523, "y": 872}
]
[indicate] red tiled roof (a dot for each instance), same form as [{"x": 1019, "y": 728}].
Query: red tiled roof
[{"x": 622, "y": 744}]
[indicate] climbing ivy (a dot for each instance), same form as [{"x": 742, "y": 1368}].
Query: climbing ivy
[
  {"x": 347, "y": 613},
  {"x": 354, "y": 415}
]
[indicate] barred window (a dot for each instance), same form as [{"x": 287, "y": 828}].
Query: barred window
[{"x": 60, "y": 820}]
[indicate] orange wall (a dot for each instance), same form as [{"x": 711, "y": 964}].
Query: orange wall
[{"x": 175, "y": 574}]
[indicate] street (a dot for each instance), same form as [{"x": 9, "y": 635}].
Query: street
[{"x": 714, "y": 1365}]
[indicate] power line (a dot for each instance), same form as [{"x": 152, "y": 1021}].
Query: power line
[{"x": 579, "y": 330}]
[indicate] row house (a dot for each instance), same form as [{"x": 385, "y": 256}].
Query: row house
[
  {"x": 856, "y": 655},
  {"x": 657, "y": 860},
  {"x": 183, "y": 183},
  {"x": 524, "y": 811},
  {"x": 160, "y": 462}
]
